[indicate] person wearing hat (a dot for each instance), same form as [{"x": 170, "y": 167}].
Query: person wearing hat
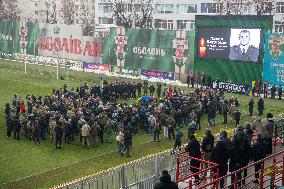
[
  {"x": 269, "y": 126},
  {"x": 220, "y": 155},
  {"x": 193, "y": 150},
  {"x": 258, "y": 153},
  {"x": 165, "y": 182}
]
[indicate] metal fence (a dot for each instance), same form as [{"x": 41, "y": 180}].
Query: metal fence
[
  {"x": 142, "y": 173},
  {"x": 139, "y": 174}
]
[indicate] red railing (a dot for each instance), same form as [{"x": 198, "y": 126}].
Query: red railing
[
  {"x": 184, "y": 174},
  {"x": 271, "y": 173}
]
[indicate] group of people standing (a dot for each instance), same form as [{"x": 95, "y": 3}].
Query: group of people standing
[{"x": 236, "y": 153}]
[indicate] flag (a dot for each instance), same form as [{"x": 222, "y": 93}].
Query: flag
[
  {"x": 195, "y": 76},
  {"x": 189, "y": 73},
  {"x": 258, "y": 85},
  {"x": 101, "y": 85},
  {"x": 202, "y": 75},
  {"x": 251, "y": 89},
  {"x": 171, "y": 91}
]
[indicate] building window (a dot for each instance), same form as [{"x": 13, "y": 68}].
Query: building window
[
  {"x": 266, "y": 7},
  {"x": 186, "y": 8},
  {"x": 185, "y": 24},
  {"x": 36, "y": 12},
  {"x": 164, "y": 24},
  {"x": 211, "y": 7},
  {"x": 35, "y": 4},
  {"x": 104, "y": 20},
  {"x": 165, "y": 8},
  {"x": 280, "y": 7},
  {"x": 105, "y": 7},
  {"x": 279, "y": 26}
]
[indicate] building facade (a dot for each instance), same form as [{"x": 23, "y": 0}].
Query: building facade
[{"x": 172, "y": 14}]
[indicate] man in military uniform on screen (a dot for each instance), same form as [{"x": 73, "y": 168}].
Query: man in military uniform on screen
[{"x": 244, "y": 51}]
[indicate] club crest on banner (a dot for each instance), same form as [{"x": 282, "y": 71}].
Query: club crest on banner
[
  {"x": 180, "y": 44},
  {"x": 121, "y": 41},
  {"x": 275, "y": 43},
  {"x": 23, "y": 32}
]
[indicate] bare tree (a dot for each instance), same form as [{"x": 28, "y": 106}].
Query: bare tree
[
  {"x": 9, "y": 10},
  {"x": 133, "y": 13},
  {"x": 67, "y": 11},
  {"x": 87, "y": 16}
]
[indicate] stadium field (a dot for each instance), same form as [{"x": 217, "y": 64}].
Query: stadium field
[{"x": 27, "y": 165}]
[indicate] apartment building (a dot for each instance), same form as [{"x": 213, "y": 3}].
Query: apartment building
[{"x": 180, "y": 14}]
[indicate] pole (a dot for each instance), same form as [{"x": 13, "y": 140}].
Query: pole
[
  {"x": 261, "y": 176},
  {"x": 283, "y": 170},
  {"x": 57, "y": 69},
  {"x": 25, "y": 67},
  {"x": 177, "y": 169}
]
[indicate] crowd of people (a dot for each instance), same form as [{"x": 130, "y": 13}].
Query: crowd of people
[
  {"x": 93, "y": 115},
  {"x": 238, "y": 151}
]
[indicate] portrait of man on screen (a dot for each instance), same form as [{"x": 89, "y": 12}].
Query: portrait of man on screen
[{"x": 245, "y": 50}]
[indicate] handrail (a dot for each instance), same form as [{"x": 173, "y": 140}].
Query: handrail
[{"x": 243, "y": 168}]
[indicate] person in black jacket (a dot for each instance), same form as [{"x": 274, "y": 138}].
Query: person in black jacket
[
  {"x": 193, "y": 149},
  {"x": 220, "y": 155},
  {"x": 258, "y": 153},
  {"x": 207, "y": 145},
  {"x": 165, "y": 182},
  {"x": 260, "y": 106},
  {"x": 58, "y": 135},
  {"x": 279, "y": 92},
  {"x": 242, "y": 153},
  {"x": 251, "y": 102},
  {"x": 237, "y": 117}
]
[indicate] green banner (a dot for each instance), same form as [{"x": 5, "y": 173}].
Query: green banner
[
  {"x": 158, "y": 50},
  {"x": 8, "y": 38}
]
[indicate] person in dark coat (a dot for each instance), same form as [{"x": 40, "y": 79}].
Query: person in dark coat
[
  {"x": 165, "y": 182},
  {"x": 237, "y": 117},
  {"x": 225, "y": 112},
  {"x": 9, "y": 126},
  {"x": 242, "y": 153},
  {"x": 220, "y": 155},
  {"x": 58, "y": 135},
  {"x": 273, "y": 91},
  {"x": 279, "y": 92},
  {"x": 251, "y": 102},
  {"x": 207, "y": 145},
  {"x": 17, "y": 127},
  {"x": 127, "y": 140},
  {"x": 193, "y": 149},
  {"x": 258, "y": 153},
  {"x": 269, "y": 126},
  {"x": 260, "y": 106}
]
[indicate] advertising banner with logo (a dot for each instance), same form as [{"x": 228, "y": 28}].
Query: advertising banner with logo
[
  {"x": 66, "y": 41},
  {"x": 96, "y": 67},
  {"x": 227, "y": 86},
  {"x": 160, "y": 50},
  {"x": 157, "y": 74},
  {"x": 273, "y": 67}
]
